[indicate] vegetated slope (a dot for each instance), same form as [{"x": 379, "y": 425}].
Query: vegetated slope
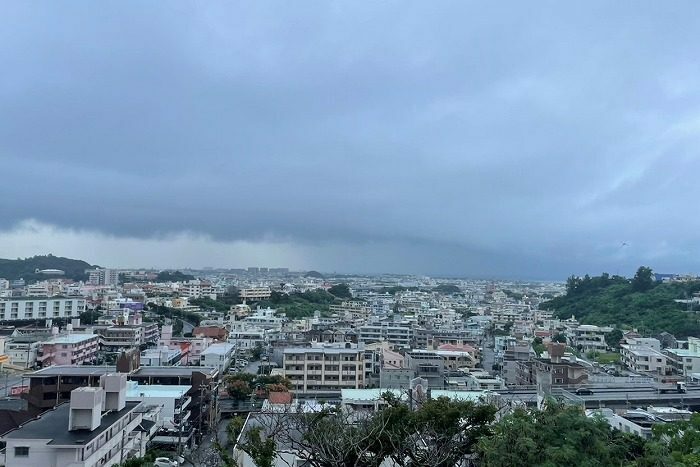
[
  {"x": 24, "y": 268},
  {"x": 173, "y": 276},
  {"x": 605, "y": 300},
  {"x": 300, "y": 305}
]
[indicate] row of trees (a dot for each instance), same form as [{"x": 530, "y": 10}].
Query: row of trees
[{"x": 442, "y": 433}]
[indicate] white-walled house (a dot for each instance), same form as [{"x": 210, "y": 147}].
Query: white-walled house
[{"x": 218, "y": 355}]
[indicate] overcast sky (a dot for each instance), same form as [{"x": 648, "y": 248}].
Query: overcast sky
[{"x": 511, "y": 139}]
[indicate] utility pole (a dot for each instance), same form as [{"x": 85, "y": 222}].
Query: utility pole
[
  {"x": 179, "y": 434},
  {"x": 201, "y": 409}
]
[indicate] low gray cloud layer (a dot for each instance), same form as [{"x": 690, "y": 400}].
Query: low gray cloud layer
[{"x": 439, "y": 137}]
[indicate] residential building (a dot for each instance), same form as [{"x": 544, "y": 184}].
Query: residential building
[
  {"x": 219, "y": 355},
  {"x": 246, "y": 340},
  {"x": 197, "y": 289},
  {"x": 351, "y": 310},
  {"x": 52, "y": 386},
  {"x": 393, "y": 372},
  {"x": 325, "y": 368},
  {"x": 23, "y": 350},
  {"x": 643, "y": 355},
  {"x": 587, "y": 338},
  {"x": 161, "y": 356},
  {"x": 176, "y": 416},
  {"x": 103, "y": 277},
  {"x": 562, "y": 371},
  {"x": 191, "y": 347},
  {"x": 69, "y": 349},
  {"x": 427, "y": 365},
  {"x": 203, "y": 382},
  {"x": 255, "y": 294},
  {"x": 120, "y": 337},
  {"x": 266, "y": 318},
  {"x": 401, "y": 335},
  {"x": 28, "y": 308},
  {"x": 683, "y": 361}
]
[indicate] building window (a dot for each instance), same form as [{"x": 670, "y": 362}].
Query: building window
[{"x": 21, "y": 451}]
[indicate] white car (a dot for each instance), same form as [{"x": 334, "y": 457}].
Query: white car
[{"x": 164, "y": 462}]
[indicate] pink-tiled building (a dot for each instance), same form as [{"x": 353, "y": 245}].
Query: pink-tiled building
[{"x": 70, "y": 349}]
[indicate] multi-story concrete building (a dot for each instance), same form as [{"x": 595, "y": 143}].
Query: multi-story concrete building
[
  {"x": 29, "y": 308},
  {"x": 255, "y": 294},
  {"x": 401, "y": 335},
  {"x": 219, "y": 355},
  {"x": 587, "y": 338},
  {"x": 393, "y": 372},
  {"x": 427, "y": 365},
  {"x": 325, "y": 368},
  {"x": 247, "y": 340},
  {"x": 560, "y": 370},
  {"x": 69, "y": 349},
  {"x": 22, "y": 351},
  {"x": 683, "y": 361},
  {"x": 115, "y": 338},
  {"x": 197, "y": 289},
  {"x": 643, "y": 355},
  {"x": 176, "y": 416},
  {"x": 352, "y": 310},
  {"x": 103, "y": 277}
]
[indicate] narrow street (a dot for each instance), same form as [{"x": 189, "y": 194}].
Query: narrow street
[{"x": 206, "y": 454}]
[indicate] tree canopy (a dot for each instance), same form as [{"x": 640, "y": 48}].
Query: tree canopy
[
  {"x": 557, "y": 435},
  {"x": 341, "y": 291},
  {"x": 614, "y": 300}
]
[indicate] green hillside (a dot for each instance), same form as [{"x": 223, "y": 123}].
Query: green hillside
[
  {"x": 629, "y": 303},
  {"x": 24, "y": 268}
]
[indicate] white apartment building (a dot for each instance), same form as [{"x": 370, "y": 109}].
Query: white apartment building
[
  {"x": 401, "y": 335},
  {"x": 175, "y": 409},
  {"x": 23, "y": 351},
  {"x": 246, "y": 340},
  {"x": 197, "y": 289},
  {"x": 103, "y": 277},
  {"x": 325, "y": 368},
  {"x": 643, "y": 355},
  {"x": 262, "y": 319},
  {"x": 40, "y": 289},
  {"x": 21, "y": 308},
  {"x": 685, "y": 361},
  {"x": 218, "y": 355},
  {"x": 588, "y": 338}
]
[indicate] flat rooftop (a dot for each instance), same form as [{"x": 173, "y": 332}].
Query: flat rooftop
[
  {"x": 156, "y": 390},
  {"x": 71, "y": 339},
  {"x": 53, "y": 426},
  {"x": 72, "y": 370},
  {"x": 174, "y": 370}
]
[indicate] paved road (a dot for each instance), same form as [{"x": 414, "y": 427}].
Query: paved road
[
  {"x": 252, "y": 367},
  {"x": 205, "y": 454}
]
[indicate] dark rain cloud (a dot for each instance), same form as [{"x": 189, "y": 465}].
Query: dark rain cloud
[{"x": 510, "y": 139}]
